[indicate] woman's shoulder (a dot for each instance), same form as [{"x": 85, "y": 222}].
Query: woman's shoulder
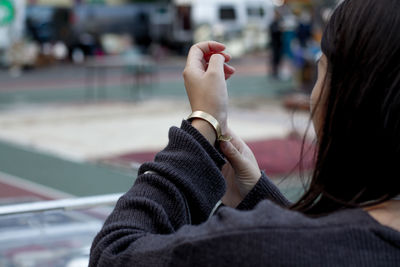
[
  {"x": 278, "y": 236},
  {"x": 268, "y": 219},
  {"x": 268, "y": 214}
]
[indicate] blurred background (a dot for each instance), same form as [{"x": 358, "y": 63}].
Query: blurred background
[{"x": 89, "y": 89}]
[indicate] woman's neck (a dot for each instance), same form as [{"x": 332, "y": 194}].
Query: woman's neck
[{"x": 387, "y": 213}]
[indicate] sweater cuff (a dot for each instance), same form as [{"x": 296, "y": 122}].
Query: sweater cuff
[
  {"x": 214, "y": 154},
  {"x": 264, "y": 189}
]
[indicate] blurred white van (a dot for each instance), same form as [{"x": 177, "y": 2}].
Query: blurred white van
[{"x": 238, "y": 23}]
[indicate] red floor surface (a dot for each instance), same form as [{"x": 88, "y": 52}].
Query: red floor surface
[{"x": 12, "y": 192}]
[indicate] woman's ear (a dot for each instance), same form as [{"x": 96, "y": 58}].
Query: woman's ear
[{"x": 319, "y": 93}]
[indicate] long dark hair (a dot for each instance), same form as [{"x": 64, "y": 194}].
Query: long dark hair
[{"x": 358, "y": 155}]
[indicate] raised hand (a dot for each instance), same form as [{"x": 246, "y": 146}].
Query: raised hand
[{"x": 205, "y": 74}]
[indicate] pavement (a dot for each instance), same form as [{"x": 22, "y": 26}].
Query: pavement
[{"x": 69, "y": 143}]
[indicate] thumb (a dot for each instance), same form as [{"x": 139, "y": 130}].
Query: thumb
[
  {"x": 216, "y": 64},
  {"x": 232, "y": 154}
]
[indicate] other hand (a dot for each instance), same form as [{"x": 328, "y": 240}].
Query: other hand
[
  {"x": 241, "y": 172},
  {"x": 205, "y": 74}
]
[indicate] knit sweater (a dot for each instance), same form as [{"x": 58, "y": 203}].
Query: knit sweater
[{"x": 163, "y": 220}]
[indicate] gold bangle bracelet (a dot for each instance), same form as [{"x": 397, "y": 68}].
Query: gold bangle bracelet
[{"x": 212, "y": 121}]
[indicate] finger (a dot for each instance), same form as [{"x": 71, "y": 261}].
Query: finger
[
  {"x": 227, "y": 171},
  {"x": 199, "y": 50},
  {"x": 232, "y": 154},
  {"x": 236, "y": 140},
  {"x": 229, "y": 70},
  {"x": 216, "y": 64},
  {"x": 225, "y": 55}
]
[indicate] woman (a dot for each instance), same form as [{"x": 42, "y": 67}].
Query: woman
[{"x": 348, "y": 216}]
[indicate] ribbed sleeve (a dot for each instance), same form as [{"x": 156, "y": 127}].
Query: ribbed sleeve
[
  {"x": 264, "y": 189},
  {"x": 211, "y": 151},
  {"x": 181, "y": 186}
]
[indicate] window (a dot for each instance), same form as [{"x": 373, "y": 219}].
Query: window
[
  {"x": 227, "y": 13},
  {"x": 255, "y": 12}
]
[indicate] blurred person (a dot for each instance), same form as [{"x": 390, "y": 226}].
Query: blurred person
[
  {"x": 276, "y": 43},
  {"x": 16, "y": 55},
  {"x": 350, "y": 212},
  {"x": 32, "y": 31},
  {"x": 290, "y": 25},
  {"x": 305, "y": 51},
  {"x": 304, "y": 28},
  {"x": 142, "y": 32}
]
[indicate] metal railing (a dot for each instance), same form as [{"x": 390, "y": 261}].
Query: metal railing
[{"x": 61, "y": 204}]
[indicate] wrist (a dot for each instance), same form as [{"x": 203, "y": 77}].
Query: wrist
[
  {"x": 205, "y": 129},
  {"x": 220, "y": 113},
  {"x": 248, "y": 185},
  {"x": 213, "y": 122}
]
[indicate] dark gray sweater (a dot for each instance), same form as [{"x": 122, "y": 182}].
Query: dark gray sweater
[{"x": 163, "y": 221}]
